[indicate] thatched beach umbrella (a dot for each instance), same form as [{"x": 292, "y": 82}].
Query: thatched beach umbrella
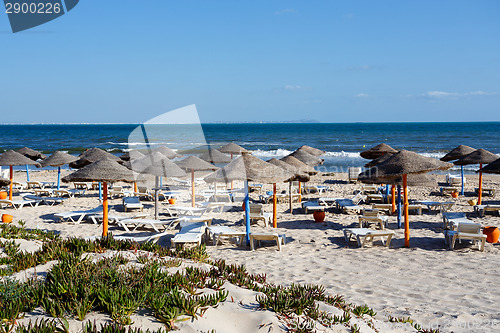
[
  {"x": 313, "y": 151},
  {"x": 158, "y": 165},
  {"x": 58, "y": 159},
  {"x": 297, "y": 176},
  {"x": 306, "y": 158},
  {"x": 31, "y": 154},
  {"x": 12, "y": 158},
  {"x": 378, "y": 160},
  {"x": 233, "y": 149},
  {"x": 215, "y": 156},
  {"x": 249, "y": 168},
  {"x": 131, "y": 155},
  {"x": 402, "y": 164},
  {"x": 168, "y": 152},
  {"x": 92, "y": 155},
  {"x": 493, "y": 167},
  {"x": 192, "y": 164},
  {"x": 301, "y": 168},
  {"x": 480, "y": 156},
  {"x": 455, "y": 154},
  {"x": 378, "y": 151},
  {"x": 105, "y": 171}
]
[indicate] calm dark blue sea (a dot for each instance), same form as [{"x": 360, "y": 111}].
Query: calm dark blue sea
[{"x": 342, "y": 142}]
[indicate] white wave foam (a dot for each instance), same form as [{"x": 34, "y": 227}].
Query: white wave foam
[
  {"x": 342, "y": 153},
  {"x": 277, "y": 153}
]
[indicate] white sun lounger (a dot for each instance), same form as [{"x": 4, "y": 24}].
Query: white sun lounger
[
  {"x": 97, "y": 218},
  {"x": 436, "y": 205},
  {"x": 279, "y": 239},
  {"x": 312, "y": 206},
  {"x": 363, "y": 235},
  {"x": 142, "y": 239},
  {"x": 18, "y": 204},
  {"x": 191, "y": 232},
  {"x": 451, "y": 219},
  {"x": 51, "y": 201},
  {"x": 468, "y": 231},
  {"x": 184, "y": 210},
  {"x": 71, "y": 193},
  {"x": 76, "y": 216},
  {"x": 132, "y": 203},
  {"x": 482, "y": 209},
  {"x": 217, "y": 232},
  {"x": 155, "y": 224}
]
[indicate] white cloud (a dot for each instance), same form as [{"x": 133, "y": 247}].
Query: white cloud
[
  {"x": 362, "y": 95},
  {"x": 293, "y": 87},
  {"x": 453, "y": 95},
  {"x": 286, "y": 11}
]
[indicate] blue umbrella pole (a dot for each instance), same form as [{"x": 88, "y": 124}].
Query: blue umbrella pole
[
  {"x": 27, "y": 173},
  {"x": 399, "y": 206},
  {"x": 58, "y": 178},
  {"x": 462, "y": 192},
  {"x": 387, "y": 193},
  {"x": 247, "y": 213},
  {"x": 161, "y": 182},
  {"x": 100, "y": 191}
]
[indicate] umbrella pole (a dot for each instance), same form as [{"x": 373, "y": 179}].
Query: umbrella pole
[
  {"x": 156, "y": 198},
  {"x": 58, "y": 178},
  {"x": 100, "y": 191},
  {"x": 387, "y": 193},
  {"x": 290, "y": 195},
  {"x": 480, "y": 194},
  {"x": 192, "y": 187},
  {"x": 399, "y": 206},
  {"x": 27, "y": 173},
  {"x": 300, "y": 192},
  {"x": 231, "y": 180},
  {"x": 105, "y": 211},
  {"x": 393, "y": 198},
  {"x": 275, "y": 222},
  {"x": 161, "y": 182},
  {"x": 247, "y": 213},
  {"x": 135, "y": 187},
  {"x": 462, "y": 192},
  {"x": 407, "y": 221},
  {"x": 10, "y": 186}
]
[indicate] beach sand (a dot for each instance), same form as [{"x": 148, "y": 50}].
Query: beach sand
[{"x": 438, "y": 288}]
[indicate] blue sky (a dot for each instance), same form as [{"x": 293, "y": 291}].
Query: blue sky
[{"x": 334, "y": 61}]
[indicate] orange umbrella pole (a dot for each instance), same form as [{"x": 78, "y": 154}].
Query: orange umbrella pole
[
  {"x": 135, "y": 187},
  {"x": 275, "y": 222},
  {"x": 10, "y": 186},
  {"x": 480, "y": 194},
  {"x": 300, "y": 192},
  {"x": 105, "y": 210},
  {"x": 192, "y": 188},
  {"x": 407, "y": 221},
  {"x": 393, "y": 198}
]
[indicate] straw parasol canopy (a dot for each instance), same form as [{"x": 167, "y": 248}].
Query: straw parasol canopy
[
  {"x": 313, "y": 151},
  {"x": 58, "y": 159},
  {"x": 407, "y": 162},
  {"x": 90, "y": 156},
  {"x": 480, "y": 156},
  {"x": 378, "y": 160},
  {"x": 378, "y": 151},
  {"x": 4, "y": 182},
  {"x": 251, "y": 168},
  {"x": 104, "y": 170},
  {"x": 193, "y": 163},
  {"x": 457, "y": 153},
  {"x": 12, "y": 158},
  {"x": 307, "y": 158},
  {"x": 133, "y": 154},
  {"x": 215, "y": 156},
  {"x": 30, "y": 153},
  {"x": 233, "y": 149},
  {"x": 299, "y": 165},
  {"x": 493, "y": 167},
  {"x": 168, "y": 152},
  {"x": 300, "y": 176}
]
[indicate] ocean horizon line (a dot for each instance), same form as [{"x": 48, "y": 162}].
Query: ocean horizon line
[{"x": 263, "y": 123}]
